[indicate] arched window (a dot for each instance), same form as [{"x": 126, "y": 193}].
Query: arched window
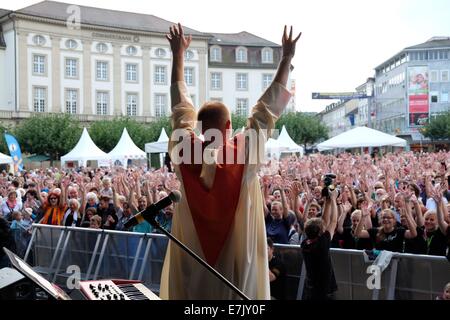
[
  {"x": 241, "y": 54},
  {"x": 215, "y": 53},
  {"x": 267, "y": 55}
]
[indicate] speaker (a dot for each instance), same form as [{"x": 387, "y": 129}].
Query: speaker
[{"x": 14, "y": 286}]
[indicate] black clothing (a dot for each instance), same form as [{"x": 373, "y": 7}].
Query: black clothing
[
  {"x": 104, "y": 213},
  {"x": 416, "y": 245},
  {"x": 277, "y": 286},
  {"x": 320, "y": 280},
  {"x": 392, "y": 241},
  {"x": 349, "y": 241}
]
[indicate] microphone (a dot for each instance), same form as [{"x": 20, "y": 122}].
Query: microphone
[{"x": 151, "y": 211}]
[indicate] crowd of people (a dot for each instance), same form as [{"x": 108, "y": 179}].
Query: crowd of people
[{"x": 397, "y": 202}]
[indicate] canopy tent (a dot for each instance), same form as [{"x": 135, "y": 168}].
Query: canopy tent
[
  {"x": 160, "y": 146},
  {"x": 5, "y": 159},
  {"x": 284, "y": 144},
  {"x": 361, "y": 137},
  {"x": 125, "y": 150},
  {"x": 85, "y": 150}
]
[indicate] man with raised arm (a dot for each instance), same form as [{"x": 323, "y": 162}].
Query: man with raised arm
[{"x": 221, "y": 215}]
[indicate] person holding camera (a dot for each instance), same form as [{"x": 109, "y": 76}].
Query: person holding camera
[{"x": 320, "y": 279}]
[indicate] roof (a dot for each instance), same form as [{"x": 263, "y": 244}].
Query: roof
[
  {"x": 104, "y": 17},
  {"x": 436, "y": 42},
  {"x": 4, "y": 12},
  {"x": 242, "y": 38}
]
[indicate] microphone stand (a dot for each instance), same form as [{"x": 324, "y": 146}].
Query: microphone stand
[{"x": 156, "y": 224}]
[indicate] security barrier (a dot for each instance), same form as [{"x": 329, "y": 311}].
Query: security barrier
[{"x": 107, "y": 254}]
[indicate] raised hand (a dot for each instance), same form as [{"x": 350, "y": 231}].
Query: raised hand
[{"x": 178, "y": 41}]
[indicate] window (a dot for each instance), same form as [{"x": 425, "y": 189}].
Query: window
[
  {"x": 443, "y": 55},
  {"x": 71, "y": 101},
  {"x": 241, "y": 54},
  {"x": 444, "y": 96},
  {"x": 189, "y": 76},
  {"x": 131, "y": 104},
  {"x": 102, "y": 70},
  {"x": 160, "y": 53},
  {"x": 40, "y": 99},
  {"x": 267, "y": 55},
  {"x": 71, "y": 44},
  {"x": 242, "y": 107},
  {"x": 39, "y": 64},
  {"x": 216, "y": 81},
  {"x": 160, "y": 105},
  {"x": 267, "y": 80},
  {"x": 444, "y": 76},
  {"x": 102, "y": 102},
  {"x": 160, "y": 75},
  {"x": 102, "y": 47},
  {"x": 39, "y": 40},
  {"x": 71, "y": 68},
  {"x": 131, "y": 72},
  {"x": 241, "y": 81},
  {"x": 434, "y": 96},
  {"x": 189, "y": 55},
  {"x": 131, "y": 50},
  {"x": 434, "y": 76},
  {"x": 216, "y": 54}
]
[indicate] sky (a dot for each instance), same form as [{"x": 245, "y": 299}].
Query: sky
[{"x": 341, "y": 44}]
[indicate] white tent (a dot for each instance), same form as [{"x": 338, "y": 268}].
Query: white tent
[
  {"x": 126, "y": 149},
  {"x": 5, "y": 159},
  {"x": 361, "y": 137},
  {"x": 160, "y": 146},
  {"x": 85, "y": 150},
  {"x": 287, "y": 144}
]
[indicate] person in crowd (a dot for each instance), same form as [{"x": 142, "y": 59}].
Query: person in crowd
[
  {"x": 124, "y": 217},
  {"x": 72, "y": 216},
  {"x": 277, "y": 273},
  {"x": 95, "y": 222},
  {"x": 320, "y": 279},
  {"x": 10, "y": 205},
  {"x": 6, "y": 241},
  {"x": 389, "y": 236},
  {"x": 107, "y": 211},
  {"x": 55, "y": 207}
]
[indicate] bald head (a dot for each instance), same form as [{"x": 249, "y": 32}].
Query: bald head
[{"x": 214, "y": 115}]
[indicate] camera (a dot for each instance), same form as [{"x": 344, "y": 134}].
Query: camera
[{"x": 328, "y": 184}]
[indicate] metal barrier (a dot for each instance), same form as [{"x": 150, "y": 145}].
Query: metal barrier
[
  {"x": 106, "y": 254},
  {"x": 99, "y": 254}
]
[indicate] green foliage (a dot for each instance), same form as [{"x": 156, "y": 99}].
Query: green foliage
[
  {"x": 3, "y": 147},
  {"x": 238, "y": 121},
  {"x": 303, "y": 128},
  {"x": 52, "y": 135},
  {"x": 438, "y": 128},
  {"x": 106, "y": 133}
]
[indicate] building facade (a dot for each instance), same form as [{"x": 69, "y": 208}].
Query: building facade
[
  {"x": 97, "y": 64},
  {"x": 402, "y": 104}
]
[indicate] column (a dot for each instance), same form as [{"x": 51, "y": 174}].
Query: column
[
  {"x": 55, "y": 76},
  {"x": 23, "y": 72},
  {"x": 146, "y": 86},
  {"x": 117, "y": 78},
  {"x": 87, "y": 77}
]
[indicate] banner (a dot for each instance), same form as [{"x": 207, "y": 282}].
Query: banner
[
  {"x": 14, "y": 151},
  {"x": 339, "y": 95},
  {"x": 418, "y": 96}
]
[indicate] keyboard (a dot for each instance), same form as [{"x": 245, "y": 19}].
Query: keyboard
[{"x": 116, "y": 290}]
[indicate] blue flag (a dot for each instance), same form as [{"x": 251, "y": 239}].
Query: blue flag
[{"x": 14, "y": 151}]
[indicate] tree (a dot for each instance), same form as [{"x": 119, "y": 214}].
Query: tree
[
  {"x": 238, "y": 121},
  {"x": 106, "y": 133},
  {"x": 303, "y": 128},
  {"x": 51, "y": 135},
  {"x": 438, "y": 128},
  {"x": 3, "y": 147}
]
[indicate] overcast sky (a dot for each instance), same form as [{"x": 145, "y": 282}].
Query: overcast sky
[{"x": 342, "y": 42}]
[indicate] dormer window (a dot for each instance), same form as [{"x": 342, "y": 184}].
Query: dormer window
[
  {"x": 267, "y": 55},
  {"x": 189, "y": 55},
  {"x": 241, "y": 54},
  {"x": 215, "y": 54},
  {"x": 131, "y": 50}
]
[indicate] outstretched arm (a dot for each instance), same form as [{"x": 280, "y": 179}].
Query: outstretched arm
[
  {"x": 178, "y": 44},
  {"x": 288, "y": 44}
]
